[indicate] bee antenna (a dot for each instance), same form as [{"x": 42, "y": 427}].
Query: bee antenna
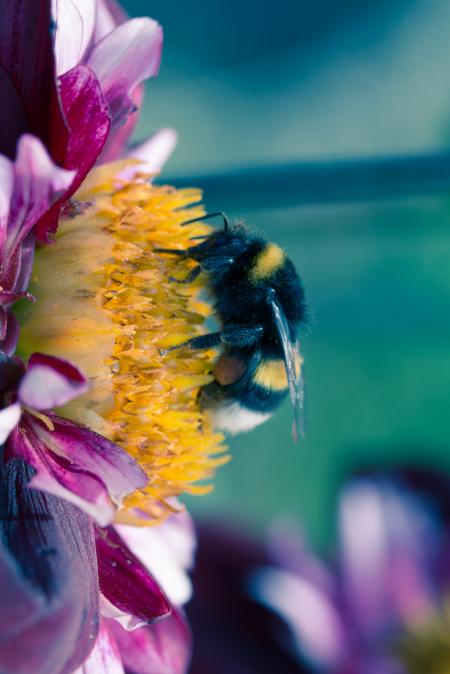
[{"x": 207, "y": 217}]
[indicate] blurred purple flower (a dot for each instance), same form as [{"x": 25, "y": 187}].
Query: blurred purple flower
[
  {"x": 378, "y": 608},
  {"x": 386, "y": 589}
]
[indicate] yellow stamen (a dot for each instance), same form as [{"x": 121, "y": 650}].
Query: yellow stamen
[
  {"x": 42, "y": 417},
  {"x": 105, "y": 302}
]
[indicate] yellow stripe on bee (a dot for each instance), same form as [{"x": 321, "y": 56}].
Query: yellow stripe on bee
[
  {"x": 271, "y": 374},
  {"x": 267, "y": 262}
]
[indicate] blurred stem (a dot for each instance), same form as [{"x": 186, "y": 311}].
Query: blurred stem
[{"x": 312, "y": 182}]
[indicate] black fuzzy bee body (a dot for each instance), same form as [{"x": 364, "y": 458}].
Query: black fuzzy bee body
[{"x": 259, "y": 302}]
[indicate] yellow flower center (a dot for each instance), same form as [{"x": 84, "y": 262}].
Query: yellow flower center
[{"x": 105, "y": 302}]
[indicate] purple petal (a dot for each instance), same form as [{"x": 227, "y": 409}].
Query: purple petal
[
  {"x": 75, "y": 22},
  {"x": 76, "y": 464},
  {"x": 26, "y": 57},
  {"x": 116, "y": 145},
  {"x": 125, "y": 582},
  {"x": 37, "y": 184},
  {"x": 50, "y": 382},
  {"x": 162, "y": 648},
  {"x": 167, "y": 551},
  {"x": 387, "y": 540},
  {"x": 105, "y": 657},
  {"x": 48, "y": 575},
  {"x": 125, "y": 57},
  {"x": 88, "y": 118}
]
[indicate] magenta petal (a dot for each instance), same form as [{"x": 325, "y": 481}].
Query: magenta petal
[
  {"x": 162, "y": 648},
  {"x": 76, "y": 464},
  {"x": 26, "y": 56},
  {"x": 88, "y": 118},
  {"x": 125, "y": 57},
  {"x": 50, "y": 382},
  {"x": 48, "y": 575},
  {"x": 125, "y": 581}
]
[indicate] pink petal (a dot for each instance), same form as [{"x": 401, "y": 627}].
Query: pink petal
[
  {"x": 109, "y": 15},
  {"x": 37, "y": 183},
  {"x": 128, "y": 55},
  {"x": 125, "y": 582},
  {"x": 75, "y": 22},
  {"x": 105, "y": 656},
  {"x": 88, "y": 118},
  {"x": 167, "y": 551},
  {"x": 154, "y": 152},
  {"x": 50, "y": 382},
  {"x": 6, "y": 190},
  {"x": 162, "y": 648},
  {"x": 9, "y": 418},
  {"x": 76, "y": 464}
]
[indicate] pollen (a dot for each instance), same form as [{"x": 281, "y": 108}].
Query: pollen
[{"x": 106, "y": 301}]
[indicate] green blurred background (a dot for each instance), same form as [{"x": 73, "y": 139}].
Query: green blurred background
[{"x": 245, "y": 83}]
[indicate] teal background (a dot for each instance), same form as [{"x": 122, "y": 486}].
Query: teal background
[{"x": 245, "y": 83}]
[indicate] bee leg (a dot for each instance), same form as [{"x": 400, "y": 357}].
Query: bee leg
[
  {"x": 171, "y": 251},
  {"x": 207, "y": 217},
  {"x": 241, "y": 336},
  {"x": 189, "y": 278},
  {"x": 200, "y": 343},
  {"x": 217, "y": 264}
]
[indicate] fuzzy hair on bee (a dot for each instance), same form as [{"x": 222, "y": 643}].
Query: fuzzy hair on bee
[{"x": 259, "y": 302}]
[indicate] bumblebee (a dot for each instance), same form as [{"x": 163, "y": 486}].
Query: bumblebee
[{"x": 259, "y": 302}]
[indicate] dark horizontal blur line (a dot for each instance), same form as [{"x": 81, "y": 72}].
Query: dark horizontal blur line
[{"x": 323, "y": 182}]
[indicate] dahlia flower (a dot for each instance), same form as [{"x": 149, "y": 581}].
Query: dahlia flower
[{"x": 96, "y": 427}]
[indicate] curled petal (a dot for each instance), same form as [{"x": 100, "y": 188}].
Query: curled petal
[
  {"x": 37, "y": 184},
  {"x": 48, "y": 574},
  {"x": 162, "y": 648},
  {"x": 88, "y": 118},
  {"x": 50, "y": 382},
  {"x": 9, "y": 418},
  {"x": 123, "y": 59},
  {"x": 75, "y": 22},
  {"x": 167, "y": 551},
  {"x": 125, "y": 582},
  {"x": 76, "y": 464}
]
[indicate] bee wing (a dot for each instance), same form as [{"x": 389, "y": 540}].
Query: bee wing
[{"x": 290, "y": 350}]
